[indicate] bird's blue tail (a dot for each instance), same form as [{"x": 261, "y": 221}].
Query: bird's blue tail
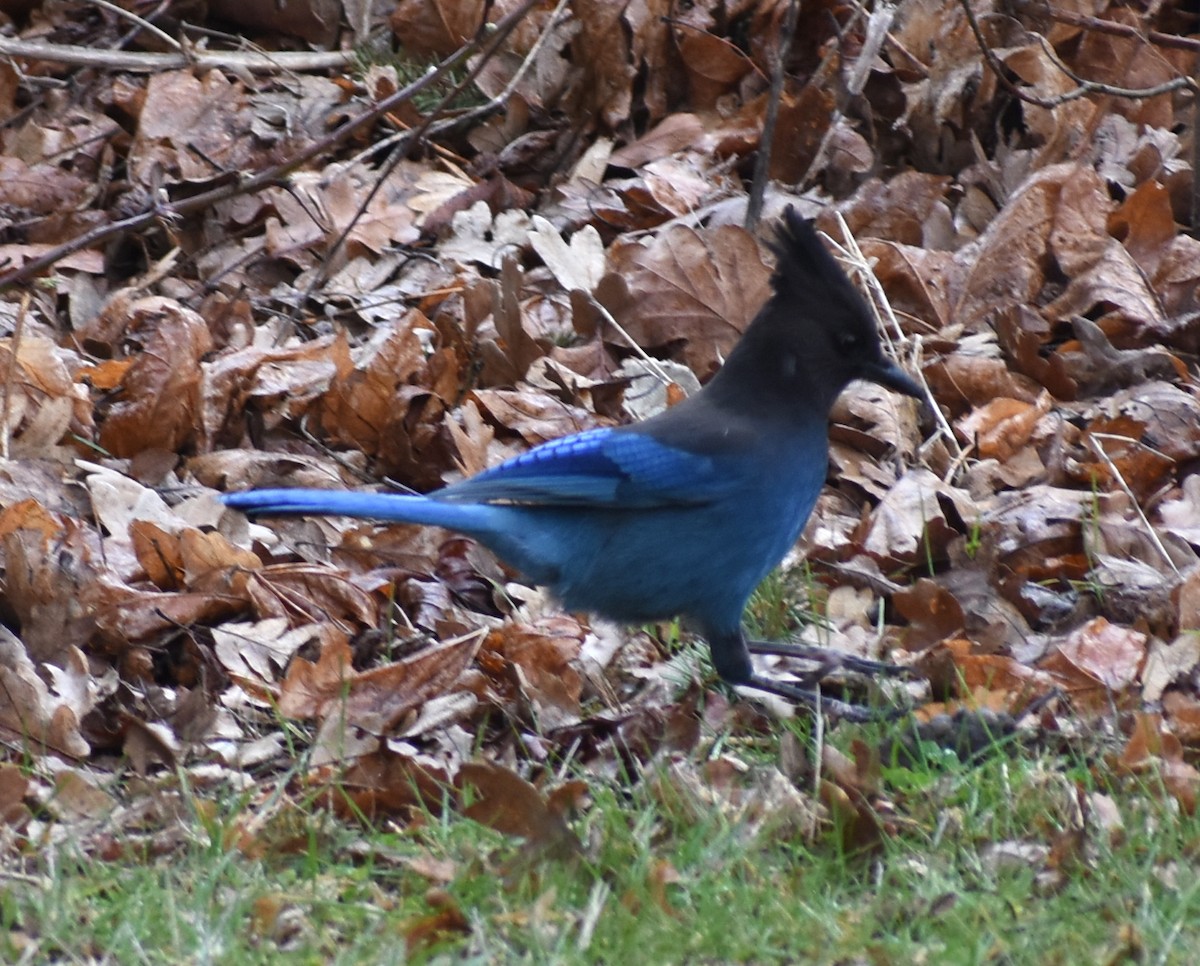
[{"x": 472, "y": 519}]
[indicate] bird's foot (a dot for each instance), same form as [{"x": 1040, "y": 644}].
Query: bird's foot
[
  {"x": 813, "y": 699},
  {"x": 828, "y": 661}
]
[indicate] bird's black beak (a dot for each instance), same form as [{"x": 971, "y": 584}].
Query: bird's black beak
[{"x": 887, "y": 373}]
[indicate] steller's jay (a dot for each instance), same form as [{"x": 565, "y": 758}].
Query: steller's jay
[{"x": 684, "y": 513}]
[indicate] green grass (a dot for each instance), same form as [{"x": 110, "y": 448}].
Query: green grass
[
  {"x": 961, "y": 875},
  {"x": 786, "y": 602},
  {"x": 409, "y": 69}
]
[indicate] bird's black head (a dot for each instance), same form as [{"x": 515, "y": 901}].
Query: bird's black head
[{"x": 816, "y": 334}]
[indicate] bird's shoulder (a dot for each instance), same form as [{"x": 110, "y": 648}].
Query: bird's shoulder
[
  {"x": 702, "y": 428},
  {"x": 612, "y": 467}
]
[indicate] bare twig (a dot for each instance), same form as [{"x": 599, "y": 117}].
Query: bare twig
[
  {"x": 1086, "y": 87},
  {"x": 10, "y": 375},
  {"x": 762, "y": 163},
  {"x": 1093, "y": 441},
  {"x": 1156, "y": 37},
  {"x": 149, "y": 62},
  {"x": 879, "y": 23},
  {"x": 146, "y": 25},
  {"x": 651, "y": 363},
  {"x": 1097, "y": 87}
]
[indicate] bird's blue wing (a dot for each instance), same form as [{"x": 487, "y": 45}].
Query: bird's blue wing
[{"x": 598, "y": 468}]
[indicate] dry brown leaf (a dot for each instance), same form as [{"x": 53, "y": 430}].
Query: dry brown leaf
[
  {"x": 31, "y": 712},
  {"x": 181, "y": 124},
  {"x": 448, "y": 919},
  {"x": 1152, "y": 746},
  {"x": 964, "y": 380},
  {"x": 677, "y": 131},
  {"x": 315, "y": 210},
  {"x": 1183, "y": 712},
  {"x": 434, "y": 28},
  {"x": 376, "y": 700},
  {"x": 272, "y": 383},
  {"x": 39, "y": 189},
  {"x": 910, "y": 520},
  {"x": 77, "y": 795},
  {"x": 1006, "y": 264},
  {"x": 902, "y": 212},
  {"x": 995, "y": 674},
  {"x": 535, "y": 416},
  {"x": 1167, "y": 663},
  {"x": 932, "y": 612},
  {"x": 502, "y": 800},
  {"x": 255, "y": 654},
  {"x": 310, "y": 688},
  {"x": 51, "y": 577},
  {"x": 1181, "y": 516},
  {"x": 544, "y": 656},
  {"x": 14, "y": 786},
  {"x": 695, "y": 288},
  {"x": 851, "y": 792},
  {"x": 148, "y": 743},
  {"x": 42, "y": 401},
  {"x": 1098, "y": 655},
  {"x": 160, "y": 398},
  {"x": 158, "y": 552},
  {"x": 311, "y": 591},
  {"x": 380, "y": 698},
  {"x": 1003, "y": 426},
  {"x": 381, "y": 783},
  {"x": 125, "y": 614},
  {"x": 713, "y": 66}
]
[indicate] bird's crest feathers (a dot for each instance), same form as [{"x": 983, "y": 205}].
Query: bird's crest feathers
[{"x": 807, "y": 273}]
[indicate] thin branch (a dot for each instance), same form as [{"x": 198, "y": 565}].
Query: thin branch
[
  {"x": 762, "y": 163},
  {"x": 10, "y": 375},
  {"x": 1156, "y": 37},
  {"x": 149, "y": 62},
  {"x": 1098, "y": 87},
  {"x": 1086, "y": 87},
  {"x": 1094, "y": 442},
  {"x": 141, "y": 24}
]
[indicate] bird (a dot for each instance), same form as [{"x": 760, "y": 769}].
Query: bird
[{"x": 684, "y": 513}]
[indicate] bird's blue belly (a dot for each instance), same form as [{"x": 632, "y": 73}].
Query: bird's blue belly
[{"x": 649, "y": 564}]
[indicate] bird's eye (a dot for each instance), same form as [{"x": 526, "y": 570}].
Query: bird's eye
[{"x": 848, "y": 342}]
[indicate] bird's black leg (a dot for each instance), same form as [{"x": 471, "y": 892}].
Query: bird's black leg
[{"x": 731, "y": 658}]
